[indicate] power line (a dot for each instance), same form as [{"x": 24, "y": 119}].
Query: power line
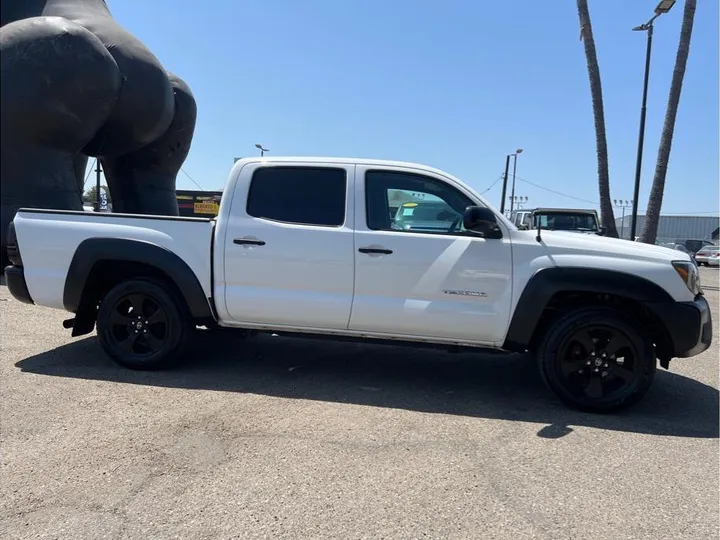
[
  {"x": 597, "y": 204},
  {"x": 191, "y": 179},
  {"x": 556, "y": 192},
  {"x": 492, "y": 185}
]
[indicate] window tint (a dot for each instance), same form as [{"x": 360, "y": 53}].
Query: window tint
[
  {"x": 413, "y": 203},
  {"x": 305, "y": 195}
]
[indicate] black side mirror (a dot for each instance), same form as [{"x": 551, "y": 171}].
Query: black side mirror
[{"x": 482, "y": 221}]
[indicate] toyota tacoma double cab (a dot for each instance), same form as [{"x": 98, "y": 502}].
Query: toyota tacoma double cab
[{"x": 309, "y": 247}]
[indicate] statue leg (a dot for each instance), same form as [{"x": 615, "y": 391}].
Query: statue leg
[
  {"x": 143, "y": 182},
  {"x": 58, "y": 85}
]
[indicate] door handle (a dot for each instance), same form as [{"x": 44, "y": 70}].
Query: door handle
[
  {"x": 381, "y": 251},
  {"x": 248, "y": 242}
]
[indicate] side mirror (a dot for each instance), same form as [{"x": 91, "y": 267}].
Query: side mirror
[
  {"x": 482, "y": 221},
  {"x": 602, "y": 231}
]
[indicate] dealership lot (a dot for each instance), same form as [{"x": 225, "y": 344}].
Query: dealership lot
[{"x": 288, "y": 438}]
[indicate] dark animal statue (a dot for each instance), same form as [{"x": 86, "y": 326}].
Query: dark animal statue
[{"x": 73, "y": 84}]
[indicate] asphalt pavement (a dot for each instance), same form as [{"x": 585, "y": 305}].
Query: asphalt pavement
[{"x": 286, "y": 438}]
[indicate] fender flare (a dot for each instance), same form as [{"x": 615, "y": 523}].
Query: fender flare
[
  {"x": 545, "y": 283},
  {"x": 95, "y": 250}
]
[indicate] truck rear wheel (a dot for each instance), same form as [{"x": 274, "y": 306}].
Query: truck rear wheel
[
  {"x": 597, "y": 359},
  {"x": 142, "y": 325}
]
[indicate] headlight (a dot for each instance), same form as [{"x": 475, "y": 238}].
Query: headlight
[{"x": 689, "y": 273}]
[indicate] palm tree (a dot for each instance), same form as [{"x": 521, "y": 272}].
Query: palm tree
[
  {"x": 586, "y": 35},
  {"x": 652, "y": 215}
]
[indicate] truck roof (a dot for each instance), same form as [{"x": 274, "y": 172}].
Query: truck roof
[
  {"x": 341, "y": 161},
  {"x": 567, "y": 210}
]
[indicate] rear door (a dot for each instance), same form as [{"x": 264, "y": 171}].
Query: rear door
[{"x": 289, "y": 258}]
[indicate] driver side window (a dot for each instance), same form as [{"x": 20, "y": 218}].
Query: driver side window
[{"x": 407, "y": 202}]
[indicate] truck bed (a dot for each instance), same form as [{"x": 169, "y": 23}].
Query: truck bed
[{"x": 49, "y": 239}]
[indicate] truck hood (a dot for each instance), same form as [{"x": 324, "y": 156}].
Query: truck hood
[{"x": 609, "y": 247}]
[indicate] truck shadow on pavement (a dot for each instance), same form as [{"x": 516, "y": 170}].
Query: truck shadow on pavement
[{"x": 504, "y": 387}]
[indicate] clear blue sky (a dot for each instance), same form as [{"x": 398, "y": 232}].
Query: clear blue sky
[{"x": 456, "y": 84}]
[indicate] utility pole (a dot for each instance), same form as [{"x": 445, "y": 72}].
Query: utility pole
[
  {"x": 505, "y": 179},
  {"x": 512, "y": 194},
  {"x": 98, "y": 170}
]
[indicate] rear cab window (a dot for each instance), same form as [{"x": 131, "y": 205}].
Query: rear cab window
[{"x": 299, "y": 195}]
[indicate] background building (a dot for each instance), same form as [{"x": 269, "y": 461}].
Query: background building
[
  {"x": 196, "y": 203},
  {"x": 672, "y": 228}
]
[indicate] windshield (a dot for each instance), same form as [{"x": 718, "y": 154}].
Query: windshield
[{"x": 566, "y": 221}]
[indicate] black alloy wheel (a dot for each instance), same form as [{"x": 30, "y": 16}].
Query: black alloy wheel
[
  {"x": 142, "y": 325},
  {"x": 597, "y": 360}
]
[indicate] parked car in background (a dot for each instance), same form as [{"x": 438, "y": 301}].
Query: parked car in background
[
  {"x": 427, "y": 216},
  {"x": 693, "y": 245},
  {"x": 558, "y": 219},
  {"x": 678, "y": 247},
  {"x": 708, "y": 256}
]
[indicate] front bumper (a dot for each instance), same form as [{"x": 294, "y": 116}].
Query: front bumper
[
  {"x": 16, "y": 284},
  {"x": 688, "y": 325}
]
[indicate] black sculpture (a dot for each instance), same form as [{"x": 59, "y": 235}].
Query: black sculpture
[{"x": 73, "y": 84}]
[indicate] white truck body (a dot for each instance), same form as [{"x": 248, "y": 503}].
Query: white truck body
[{"x": 351, "y": 279}]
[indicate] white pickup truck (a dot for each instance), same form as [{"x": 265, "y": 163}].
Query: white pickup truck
[{"x": 308, "y": 247}]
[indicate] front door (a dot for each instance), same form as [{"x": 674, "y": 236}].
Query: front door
[
  {"x": 289, "y": 258},
  {"x": 418, "y": 272}
]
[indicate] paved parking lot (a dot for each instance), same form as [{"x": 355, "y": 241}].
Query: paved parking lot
[{"x": 283, "y": 438}]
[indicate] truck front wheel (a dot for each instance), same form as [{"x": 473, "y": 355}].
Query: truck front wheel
[
  {"x": 597, "y": 359},
  {"x": 142, "y": 325}
]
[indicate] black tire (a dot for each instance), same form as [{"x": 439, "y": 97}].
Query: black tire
[
  {"x": 156, "y": 338},
  {"x": 572, "y": 365}
]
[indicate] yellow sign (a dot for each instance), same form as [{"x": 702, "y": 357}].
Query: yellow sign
[{"x": 207, "y": 207}]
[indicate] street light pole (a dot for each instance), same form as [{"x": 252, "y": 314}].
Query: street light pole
[
  {"x": 663, "y": 7},
  {"x": 512, "y": 192},
  {"x": 624, "y": 205},
  {"x": 505, "y": 179},
  {"x": 262, "y": 149}
]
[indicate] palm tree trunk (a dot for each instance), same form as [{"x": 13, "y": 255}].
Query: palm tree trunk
[
  {"x": 586, "y": 35},
  {"x": 652, "y": 215}
]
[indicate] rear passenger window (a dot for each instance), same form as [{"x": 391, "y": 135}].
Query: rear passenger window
[{"x": 304, "y": 195}]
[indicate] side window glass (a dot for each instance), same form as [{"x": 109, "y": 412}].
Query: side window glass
[
  {"x": 408, "y": 202},
  {"x": 303, "y": 195}
]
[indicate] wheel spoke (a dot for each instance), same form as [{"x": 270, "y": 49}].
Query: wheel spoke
[
  {"x": 594, "y": 389},
  {"x": 154, "y": 343},
  {"x": 136, "y": 301},
  {"x": 573, "y": 366},
  {"x": 119, "y": 319},
  {"x": 584, "y": 338},
  {"x": 616, "y": 343},
  {"x": 621, "y": 371},
  {"x": 157, "y": 317},
  {"x": 128, "y": 344}
]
